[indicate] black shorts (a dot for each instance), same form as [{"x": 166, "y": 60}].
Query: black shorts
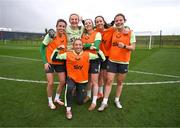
[
  {"x": 94, "y": 66},
  {"x": 116, "y": 67},
  {"x": 103, "y": 64},
  {"x": 56, "y": 68}
]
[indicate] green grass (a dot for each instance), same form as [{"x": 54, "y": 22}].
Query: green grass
[{"x": 24, "y": 104}]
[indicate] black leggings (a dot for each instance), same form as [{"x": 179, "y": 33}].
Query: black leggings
[{"x": 80, "y": 92}]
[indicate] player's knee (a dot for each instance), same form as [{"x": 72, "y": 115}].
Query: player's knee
[
  {"x": 50, "y": 83},
  {"x": 120, "y": 83},
  {"x": 109, "y": 82}
]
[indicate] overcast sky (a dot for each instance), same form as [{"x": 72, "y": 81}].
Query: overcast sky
[{"x": 141, "y": 15}]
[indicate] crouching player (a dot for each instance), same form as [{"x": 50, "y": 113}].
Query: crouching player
[{"x": 77, "y": 64}]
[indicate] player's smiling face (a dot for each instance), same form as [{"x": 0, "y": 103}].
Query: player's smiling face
[
  {"x": 88, "y": 25},
  {"x": 61, "y": 27},
  {"x": 74, "y": 20},
  {"x": 119, "y": 22},
  {"x": 99, "y": 23},
  {"x": 77, "y": 46}
]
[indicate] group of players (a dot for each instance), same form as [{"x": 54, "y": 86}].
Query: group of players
[{"x": 85, "y": 58}]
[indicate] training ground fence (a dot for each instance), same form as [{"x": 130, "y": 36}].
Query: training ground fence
[
  {"x": 156, "y": 41},
  {"x": 21, "y": 38},
  {"x": 147, "y": 41}
]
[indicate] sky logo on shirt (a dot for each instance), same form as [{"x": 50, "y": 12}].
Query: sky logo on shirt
[{"x": 78, "y": 67}]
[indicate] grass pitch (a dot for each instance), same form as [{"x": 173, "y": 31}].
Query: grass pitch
[{"x": 146, "y": 103}]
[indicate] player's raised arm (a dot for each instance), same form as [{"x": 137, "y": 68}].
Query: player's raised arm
[{"x": 58, "y": 57}]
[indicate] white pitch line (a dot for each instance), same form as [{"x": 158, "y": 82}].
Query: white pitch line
[
  {"x": 139, "y": 72},
  {"x": 23, "y": 58},
  {"x": 23, "y": 80},
  {"x": 149, "y": 83},
  {"x": 155, "y": 74},
  {"x": 136, "y": 83}
]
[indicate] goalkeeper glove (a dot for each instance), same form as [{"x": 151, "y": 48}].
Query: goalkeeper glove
[{"x": 51, "y": 33}]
